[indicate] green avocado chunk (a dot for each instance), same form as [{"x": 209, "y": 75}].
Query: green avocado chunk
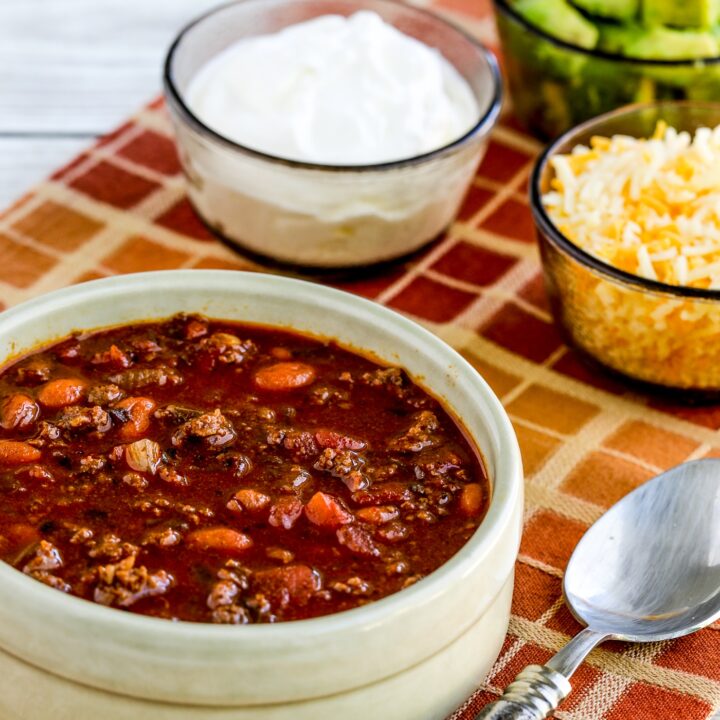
[
  {"x": 660, "y": 43},
  {"x": 612, "y": 9},
  {"x": 613, "y": 38},
  {"x": 559, "y": 19},
  {"x": 681, "y": 13}
]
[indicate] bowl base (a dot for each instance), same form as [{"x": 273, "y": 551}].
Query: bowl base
[
  {"x": 326, "y": 273},
  {"x": 430, "y": 690},
  {"x": 681, "y": 396}
]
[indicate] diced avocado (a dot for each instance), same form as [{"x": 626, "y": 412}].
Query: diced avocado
[
  {"x": 681, "y": 13},
  {"x": 555, "y": 87},
  {"x": 615, "y": 38},
  {"x": 559, "y": 19},
  {"x": 657, "y": 43},
  {"x": 661, "y": 43},
  {"x": 558, "y": 114},
  {"x": 622, "y": 10}
]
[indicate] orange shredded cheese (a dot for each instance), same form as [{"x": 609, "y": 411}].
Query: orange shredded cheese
[{"x": 649, "y": 206}]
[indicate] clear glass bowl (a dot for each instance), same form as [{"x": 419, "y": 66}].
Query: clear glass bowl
[
  {"x": 663, "y": 335},
  {"x": 555, "y": 85},
  {"x": 316, "y": 215}
]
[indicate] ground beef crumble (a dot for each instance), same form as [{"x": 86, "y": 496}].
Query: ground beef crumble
[
  {"x": 213, "y": 429},
  {"x": 123, "y": 584}
]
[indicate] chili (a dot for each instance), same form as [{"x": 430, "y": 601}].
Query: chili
[{"x": 210, "y": 471}]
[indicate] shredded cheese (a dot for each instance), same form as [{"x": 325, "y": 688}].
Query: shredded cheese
[{"x": 649, "y": 206}]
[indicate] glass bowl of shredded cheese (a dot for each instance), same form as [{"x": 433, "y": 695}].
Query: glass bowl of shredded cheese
[{"x": 627, "y": 208}]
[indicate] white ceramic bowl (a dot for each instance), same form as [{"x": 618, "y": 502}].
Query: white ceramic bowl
[
  {"x": 325, "y": 215},
  {"x": 414, "y": 654}
]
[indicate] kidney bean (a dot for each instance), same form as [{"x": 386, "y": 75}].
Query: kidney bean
[
  {"x": 18, "y": 412},
  {"x": 219, "y": 539},
  {"x": 16, "y": 452},
  {"x": 60, "y": 393},
  {"x": 139, "y": 412},
  {"x": 248, "y": 499},
  {"x": 326, "y": 511},
  {"x": 284, "y": 376},
  {"x": 471, "y": 499}
]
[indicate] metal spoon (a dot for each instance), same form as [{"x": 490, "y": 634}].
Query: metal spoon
[{"x": 648, "y": 569}]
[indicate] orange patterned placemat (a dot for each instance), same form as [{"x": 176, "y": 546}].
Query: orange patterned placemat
[{"x": 586, "y": 441}]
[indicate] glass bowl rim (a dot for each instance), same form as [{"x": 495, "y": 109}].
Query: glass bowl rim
[
  {"x": 563, "y": 243},
  {"x": 484, "y": 124},
  {"x": 505, "y": 7}
]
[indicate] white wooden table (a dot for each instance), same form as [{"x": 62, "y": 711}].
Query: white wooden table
[{"x": 73, "y": 69}]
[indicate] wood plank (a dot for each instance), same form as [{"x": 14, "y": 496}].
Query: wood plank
[
  {"x": 74, "y": 69},
  {"x": 83, "y": 65}
]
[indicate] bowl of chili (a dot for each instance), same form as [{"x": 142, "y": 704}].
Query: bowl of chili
[{"x": 309, "y": 507}]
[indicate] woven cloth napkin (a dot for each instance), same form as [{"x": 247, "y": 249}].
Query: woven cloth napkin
[{"x": 586, "y": 441}]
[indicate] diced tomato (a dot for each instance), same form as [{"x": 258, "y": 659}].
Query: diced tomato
[
  {"x": 284, "y": 376},
  {"x": 18, "y": 411},
  {"x": 16, "y": 452},
  {"x": 219, "y": 539},
  {"x": 62, "y": 392},
  {"x": 285, "y": 512},
  {"x": 293, "y": 584},
  {"x": 357, "y": 540},
  {"x": 113, "y": 358},
  {"x": 326, "y": 511}
]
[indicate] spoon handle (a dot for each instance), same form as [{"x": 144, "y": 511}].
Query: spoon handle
[
  {"x": 539, "y": 689},
  {"x": 533, "y": 695}
]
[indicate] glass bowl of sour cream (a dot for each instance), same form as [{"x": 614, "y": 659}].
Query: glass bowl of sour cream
[{"x": 329, "y": 133}]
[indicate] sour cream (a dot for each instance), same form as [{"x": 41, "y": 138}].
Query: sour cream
[{"x": 334, "y": 90}]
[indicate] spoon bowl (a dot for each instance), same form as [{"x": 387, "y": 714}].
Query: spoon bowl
[{"x": 647, "y": 570}]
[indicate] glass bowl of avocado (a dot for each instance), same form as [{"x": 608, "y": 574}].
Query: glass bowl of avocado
[{"x": 570, "y": 60}]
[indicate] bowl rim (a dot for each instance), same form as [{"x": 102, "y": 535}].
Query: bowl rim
[
  {"x": 549, "y": 229},
  {"x": 484, "y": 124},
  {"x": 507, "y": 485},
  {"x": 506, "y": 8}
]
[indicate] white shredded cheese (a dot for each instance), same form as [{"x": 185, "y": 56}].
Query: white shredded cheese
[{"x": 649, "y": 206}]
